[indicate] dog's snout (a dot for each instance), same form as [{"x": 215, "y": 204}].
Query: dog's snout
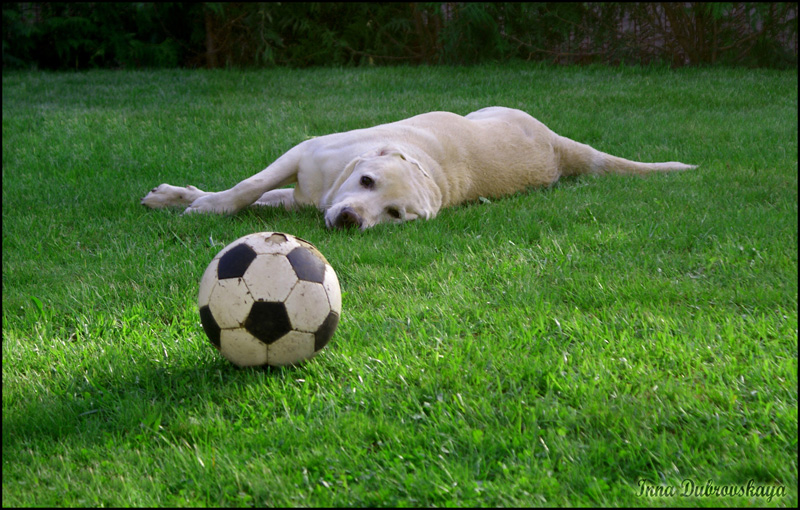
[{"x": 348, "y": 218}]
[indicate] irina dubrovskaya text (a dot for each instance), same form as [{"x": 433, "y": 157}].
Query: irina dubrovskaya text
[{"x": 691, "y": 489}]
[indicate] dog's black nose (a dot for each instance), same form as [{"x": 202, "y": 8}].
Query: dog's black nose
[{"x": 347, "y": 218}]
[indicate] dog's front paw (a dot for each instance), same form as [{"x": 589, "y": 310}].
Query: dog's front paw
[
  {"x": 211, "y": 203},
  {"x": 166, "y": 195}
]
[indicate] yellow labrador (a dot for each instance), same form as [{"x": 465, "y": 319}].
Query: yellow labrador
[{"x": 410, "y": 169}]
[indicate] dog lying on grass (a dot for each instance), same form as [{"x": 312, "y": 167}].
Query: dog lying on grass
[{"x": 410, "y": 169}]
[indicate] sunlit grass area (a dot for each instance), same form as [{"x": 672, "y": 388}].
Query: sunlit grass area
[{"x": 562, "y": 346}]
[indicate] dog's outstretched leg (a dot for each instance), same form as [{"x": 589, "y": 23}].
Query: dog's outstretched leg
[
  {"x": 278, "y": 198},
  {"x": 281, "y": 172},
  {"x": 577, "y": 158},
  {"x": 166, "y": 195}
]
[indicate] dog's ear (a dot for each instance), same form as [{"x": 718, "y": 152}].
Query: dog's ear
[
  {"x": 337, "y": 183},
  {"x": 394, "y": 151},
  {"x": 416, "y": 163}
]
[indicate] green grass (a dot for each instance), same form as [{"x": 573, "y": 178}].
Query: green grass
[{"x": 551, "y": 348}]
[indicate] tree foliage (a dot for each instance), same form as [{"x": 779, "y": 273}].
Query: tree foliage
[{"x": 79, "y": 35}]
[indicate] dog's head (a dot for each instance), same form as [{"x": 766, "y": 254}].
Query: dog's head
[{"x": 381, "y": 186}]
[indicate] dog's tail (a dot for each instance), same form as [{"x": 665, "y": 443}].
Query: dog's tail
[{"x": 576, "y": 158}]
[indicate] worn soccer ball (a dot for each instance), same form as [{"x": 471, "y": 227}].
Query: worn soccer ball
[{"x": 269, "y": 299}]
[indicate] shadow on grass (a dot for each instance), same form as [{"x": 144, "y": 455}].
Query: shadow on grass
[{"x": 135, "y": 402}]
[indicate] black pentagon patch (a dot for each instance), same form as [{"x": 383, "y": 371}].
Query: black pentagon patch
[
  {"x": 314, "y": 250},
  {"x": 267, "y": 321},
  {"x": 210, "y": 325},
  {"x": 306, "y": 265},
  {"x": 235, "y": 262},
  {"x": 325, "y": 332}
]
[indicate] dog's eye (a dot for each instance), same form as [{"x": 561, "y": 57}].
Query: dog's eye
[
  {"x": 367, "y": 181},
  {"x": 393, "y": 212}
]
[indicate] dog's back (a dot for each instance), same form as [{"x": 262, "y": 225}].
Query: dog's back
[
  {"x": 496, "y": 151},
  {"x": 572, "y": 158}
]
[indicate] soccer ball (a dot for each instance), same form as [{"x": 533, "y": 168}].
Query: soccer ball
[{"x": 269, "y": 299}]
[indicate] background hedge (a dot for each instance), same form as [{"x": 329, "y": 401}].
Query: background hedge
[{"x": 80, "y": 35}]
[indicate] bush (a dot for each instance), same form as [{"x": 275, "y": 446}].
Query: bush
[{"x": 81, "y": 35}]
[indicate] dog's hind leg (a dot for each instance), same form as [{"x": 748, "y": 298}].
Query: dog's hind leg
[{"x": 576, "y": 158}]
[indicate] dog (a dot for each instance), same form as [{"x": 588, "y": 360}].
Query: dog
[{"x": 410, "y": 169}]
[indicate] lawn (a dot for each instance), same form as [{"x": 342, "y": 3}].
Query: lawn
[{"x": 613, "y": 341}]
